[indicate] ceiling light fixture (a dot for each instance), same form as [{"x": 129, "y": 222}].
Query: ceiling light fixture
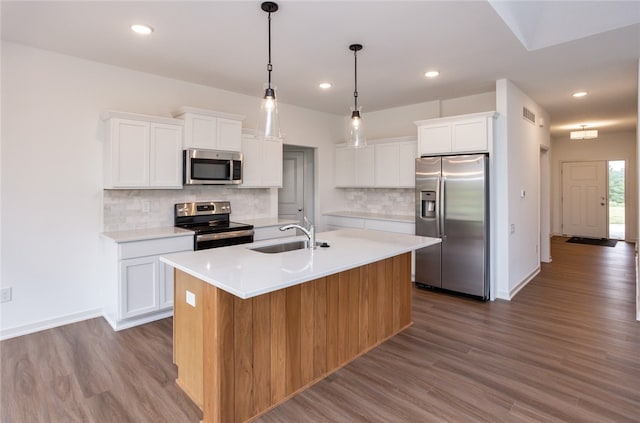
[
  {"x": 141, "y": 29},
  {"x": 356, "y": 130},
  {"x": 325, "y": 85},
  {"x": 268, "y": 122},
  {"x": 583, "y": 134},
  {"x": 431, "y": 74},
  {"x": 579, "y": 94}
]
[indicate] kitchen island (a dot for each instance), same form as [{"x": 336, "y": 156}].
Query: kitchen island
[{"x": 252, "y": 329}]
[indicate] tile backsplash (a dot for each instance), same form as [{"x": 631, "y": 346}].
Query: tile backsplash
[
  {"x": 384, "y": 201},
  {"x": 124, "y": 209}
]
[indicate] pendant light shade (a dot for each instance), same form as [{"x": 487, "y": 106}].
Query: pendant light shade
[
  {"x": 356, "y": 137},
  {"x": 268, "y": 121}
]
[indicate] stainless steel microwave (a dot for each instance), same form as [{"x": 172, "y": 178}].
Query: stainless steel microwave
[{"x": 211, "y": 167}]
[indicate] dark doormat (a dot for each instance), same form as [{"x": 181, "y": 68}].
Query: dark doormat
[{"x": 604, "y": 242}]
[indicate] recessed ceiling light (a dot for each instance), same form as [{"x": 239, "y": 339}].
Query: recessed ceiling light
[
  {"x": 580, "y": 94},
  {"x": 325, "y": 85},
  {"x": 431, "y": 74},
  {"x": 142, "y": 29}
]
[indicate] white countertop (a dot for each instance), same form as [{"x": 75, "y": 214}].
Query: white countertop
[
  {"x": 265, "y": 222},
  {"x": 145, "y": 234},
  {"x": 377, "y": 216},
  {"x": 246, "y": 273}
]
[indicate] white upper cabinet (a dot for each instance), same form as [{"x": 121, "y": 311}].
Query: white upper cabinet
[
  {"x": 211, "y": 130},
  {"x": 261, "y": 162},
  {"x": 382, "y": 164},
  {"x": 354, "y": 166},
  {"x": 142, "y": 151},
  {"x": 395, "y": 164},
  {"x": 456, "y": 134}
]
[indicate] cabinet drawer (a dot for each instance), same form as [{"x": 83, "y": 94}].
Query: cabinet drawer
[
  {"x": 391, "y": 226},
  {"x": 155, "y": 246},
  {"x": 344, "y": 222},
  {"x": 269, "y": 233}
]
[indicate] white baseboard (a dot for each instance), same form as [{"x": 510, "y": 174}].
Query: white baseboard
[
  {"x": 135, "y": 321},
  {"x": 508, "y": 295},
  {"x": 49, "y": 323}
]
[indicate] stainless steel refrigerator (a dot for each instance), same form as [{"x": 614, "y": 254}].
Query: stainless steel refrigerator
[{"x": 452, "y": 203}]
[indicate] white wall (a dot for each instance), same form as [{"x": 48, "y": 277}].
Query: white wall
[
  {"x": 517, "y": 184},
  {"x": 51, "y": 171},
  {"x": 398, "y": 121},
  {"x": 608, "y": 146}
]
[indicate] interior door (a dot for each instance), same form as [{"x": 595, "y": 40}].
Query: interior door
[
  {"x": 291, "y": 195},
  {"x": 584, "y": 199}
]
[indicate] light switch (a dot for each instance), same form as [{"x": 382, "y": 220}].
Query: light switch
[{"x": 191, "y": 298}]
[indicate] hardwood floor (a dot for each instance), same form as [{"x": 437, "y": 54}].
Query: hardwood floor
[{"x": 567, "y": 348}]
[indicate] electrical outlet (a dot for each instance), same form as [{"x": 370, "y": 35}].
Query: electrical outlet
[
  {"x": 145, "y": 206},
  {"x": 191, "y": 298},
  {"x": 5, "y": 295},
  {"x": 513, "y": 228}
]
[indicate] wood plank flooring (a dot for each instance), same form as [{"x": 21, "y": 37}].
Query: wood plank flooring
[{"x": 566, "y": 349}]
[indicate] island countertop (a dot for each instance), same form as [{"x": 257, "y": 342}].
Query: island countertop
[{"x": 245, "y": 273}]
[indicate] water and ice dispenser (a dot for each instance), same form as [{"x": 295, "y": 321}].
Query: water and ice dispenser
[{"x": 428, "y": 204}]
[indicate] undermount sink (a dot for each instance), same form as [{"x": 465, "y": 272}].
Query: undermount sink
[{"x": 284, "y": 247}]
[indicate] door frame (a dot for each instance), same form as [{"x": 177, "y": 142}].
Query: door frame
[{"x": 309, "y": 179}]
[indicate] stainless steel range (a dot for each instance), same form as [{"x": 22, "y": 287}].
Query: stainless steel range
[{"x": 210, "y": 222}]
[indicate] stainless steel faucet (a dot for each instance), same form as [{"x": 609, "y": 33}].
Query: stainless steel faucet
[{"x": 310, "y": 233}]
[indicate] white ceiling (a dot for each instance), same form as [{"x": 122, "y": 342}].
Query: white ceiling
[{"x": 566, "y": 47}]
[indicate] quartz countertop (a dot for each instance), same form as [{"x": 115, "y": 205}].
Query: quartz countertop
[
  {"x": 145, "y": 234},
  {"x": 245, "y": 273},
  {"x": 377, "y": 216}
]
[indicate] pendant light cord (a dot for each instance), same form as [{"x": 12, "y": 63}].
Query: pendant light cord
[
  {"x": 355, "y": 78},
  {"x": 269, "y": 66}
]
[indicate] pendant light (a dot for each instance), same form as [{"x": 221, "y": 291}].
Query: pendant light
[
  {"x": 356, "y": 130},
  {"x": 268, "y": 122}
]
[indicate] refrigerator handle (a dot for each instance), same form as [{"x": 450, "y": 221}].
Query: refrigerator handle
[
  {"x": 438, "y": 198},
  {"x": 442, "y": 183}
]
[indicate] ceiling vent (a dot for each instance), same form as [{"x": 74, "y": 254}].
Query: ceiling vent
[{"x": 529, "y": 115}]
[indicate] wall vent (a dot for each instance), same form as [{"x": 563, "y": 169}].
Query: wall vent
[{"x": 529, "y": 115}]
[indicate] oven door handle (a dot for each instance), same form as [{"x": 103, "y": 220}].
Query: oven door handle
[{"x": 223, "y": 235}]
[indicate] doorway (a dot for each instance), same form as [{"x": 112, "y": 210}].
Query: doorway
[
  {"x": 296, "y": 197},
  {"x": 584, "y": 199},
  {"x": 616, "y": 199}
]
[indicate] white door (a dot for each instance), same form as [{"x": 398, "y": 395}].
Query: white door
[
  {"x": 291, "y": 195},
  {"x": 584, "y": 199}
]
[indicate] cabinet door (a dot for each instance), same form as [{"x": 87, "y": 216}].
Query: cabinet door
[
  {"x": 365, "y": 163},
  {"x": 200, "y": 131},
  {"x": 130, "y": 153},
  {"x": 272, "y": 163},
  {"x": 138, "y": 286},
  {"x": 251, "y": 162},
  {"x": 229, "y": 135},
  {"x": 165, "y": 156},
  {"x": 387, "y": 163},
  {"x": 470, "y": 135},
  {"x": 165, "y": 285},
  {"x": 345, "y": 170},
  {"x": 407, "y": 154},
  {"x": 434, "y": 139}
]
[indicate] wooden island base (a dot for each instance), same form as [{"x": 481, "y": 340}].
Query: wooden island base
[{"x": 239, "y": 358}]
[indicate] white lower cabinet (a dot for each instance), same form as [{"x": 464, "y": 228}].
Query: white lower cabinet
[
  {"x": 343, "y": 222},
  {"x": 143, "y": 289},
  {"x": 269, "y": 232}
]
